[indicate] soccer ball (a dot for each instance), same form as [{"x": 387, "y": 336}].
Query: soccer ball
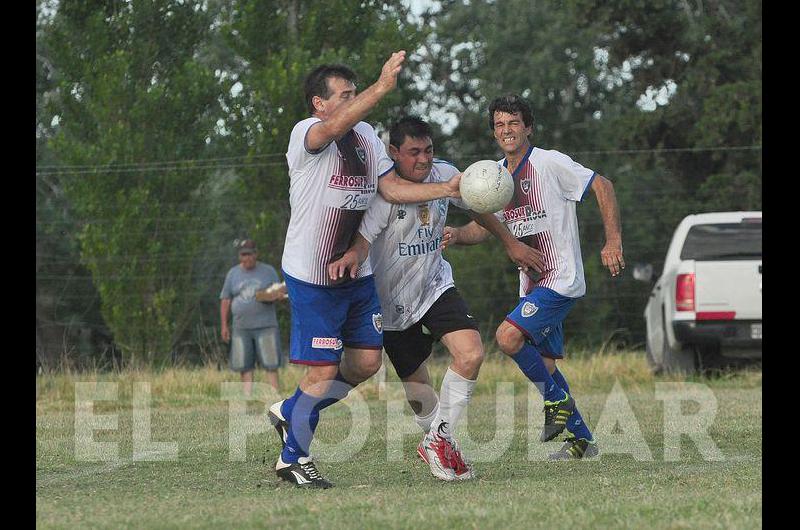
[{"x": 486, "y": 186}]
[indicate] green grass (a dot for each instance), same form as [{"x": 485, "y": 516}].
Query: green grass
[{"x": 204, "y": 488}]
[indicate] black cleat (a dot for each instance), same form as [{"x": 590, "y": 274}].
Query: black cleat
[
  {"x": 556, "y": 414},
  {"x": 302, "y": 474},
  {"x": 575, "y": 449},
  {"x": 279, "y": 422}
]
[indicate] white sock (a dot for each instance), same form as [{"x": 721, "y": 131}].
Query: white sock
[
  {"x": 453, "y": 399},
  {"x": 424, "y": 422}
]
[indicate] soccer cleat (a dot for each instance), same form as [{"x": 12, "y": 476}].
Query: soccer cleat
[
  {"x": 438, "y": 451},
  {"x": 279, "y": 422},
  {"x": 462, "y": 469},
  {"x": 302, "y": 474},
  {"x": 575, "y": 449},
  {"x": 556, "y": 414}
]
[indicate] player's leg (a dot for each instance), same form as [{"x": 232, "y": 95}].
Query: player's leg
[
  {"x": 536, "y": 316},
  {"x": 579, "y": 442},
  {"x": 449, "y": 320},
  {"x": 318, "y": 315},
  {"x": 407, "y": 351}
]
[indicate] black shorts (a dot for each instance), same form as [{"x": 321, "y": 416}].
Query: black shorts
[{"x": 409, "y": 348}]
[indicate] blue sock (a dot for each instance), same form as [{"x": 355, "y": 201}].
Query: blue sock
[
  {"x": 575, "y": 423},
  {"x": 302, "y": 412},
  {"x": 530, "y": 362}
]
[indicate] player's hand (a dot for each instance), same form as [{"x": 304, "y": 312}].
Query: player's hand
[
  {"x": 339, "y": 268},
  {"x": 525, "y": 257},
  {"x": 449, "y": 237},
  {"x": 226, "y": 334},
  {"x": 452, "y": 186},
  {"x": 391, "y": 69},
  {"x": 611, "y": 255}
]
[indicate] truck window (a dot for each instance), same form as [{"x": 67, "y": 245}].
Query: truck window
[{"x": 723, "y": 241}]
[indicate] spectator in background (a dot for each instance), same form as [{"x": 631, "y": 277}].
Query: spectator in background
[{"x": 250, "y": 291}]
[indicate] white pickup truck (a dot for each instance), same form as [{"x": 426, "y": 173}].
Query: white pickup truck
[{"x": 705, "y": 308}]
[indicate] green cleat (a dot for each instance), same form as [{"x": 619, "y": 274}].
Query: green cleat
[
  {"x": 575, "y": 449},
  {"x": 556, "y": 414}
]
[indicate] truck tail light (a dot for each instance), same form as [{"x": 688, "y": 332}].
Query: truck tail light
[{"x": 684, "y": 292}]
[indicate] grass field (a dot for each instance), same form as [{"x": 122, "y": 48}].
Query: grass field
[{"x": 207, "y": 484}]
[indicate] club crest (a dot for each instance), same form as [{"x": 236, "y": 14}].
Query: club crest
[
  {"x": 525, "y": 185},
  {"x": 529, "y": 309},
  {"x": 377, "y": 322},
  {"x": 424, "y": 214},
  {"x": 361, "y": 153}
]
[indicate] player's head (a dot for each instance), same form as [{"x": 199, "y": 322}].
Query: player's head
[
  {"x": 411, "y": 147},
  {"x": 511, "y": 120},
  {"x": 327, "y": 86}
]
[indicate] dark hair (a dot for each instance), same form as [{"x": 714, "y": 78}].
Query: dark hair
[
  {"x": 316, "y": 83},
  {"x": 411, "y": 126},
  {"x": 511, "y": 103}
]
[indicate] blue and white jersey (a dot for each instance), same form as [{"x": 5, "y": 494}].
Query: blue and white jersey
[
  {"x": 329, "y": 191},
  {"x": 410, "y": 272}
]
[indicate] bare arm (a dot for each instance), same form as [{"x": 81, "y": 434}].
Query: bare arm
[
  {"x": 397, "y": 190},
  {"x": 611, "y": 254},
  {"x": 352, "y": 259},
  {"x": 469, "y": 234},
  {"x": 351, "y": 112},
  {"x": 224, "y": 316}
]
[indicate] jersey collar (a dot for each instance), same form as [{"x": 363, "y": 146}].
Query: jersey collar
[{"x": 521, "y": 162}]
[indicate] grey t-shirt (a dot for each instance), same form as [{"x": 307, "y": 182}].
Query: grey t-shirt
[{"x": 241, "y": 285}]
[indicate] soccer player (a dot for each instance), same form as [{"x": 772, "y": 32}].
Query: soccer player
[
  {"x": 336, "y": 165},
  {"x": 542, "y": 214},
  {"x": 419, "y": 301}
]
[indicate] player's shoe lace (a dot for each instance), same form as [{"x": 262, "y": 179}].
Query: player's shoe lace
[
  {"x": 302, "y": 473},
  {"x": 556, "y": 414},
  {"x": 461, "y": 467}
]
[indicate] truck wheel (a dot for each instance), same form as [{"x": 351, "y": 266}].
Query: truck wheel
[
  {"x": 655, "y": 367},
  {"x": 682, "y": 360}
]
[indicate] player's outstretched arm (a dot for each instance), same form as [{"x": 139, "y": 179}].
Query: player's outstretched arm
[
  {"x": 351, "y": 260},
  {"x": 469, "y": 234},
  {"x": 611, "y": 255},
  {"x": 348, "y": 114},
  {"x": 398, "y": 190},
  {"x": 524, "y": 256}
]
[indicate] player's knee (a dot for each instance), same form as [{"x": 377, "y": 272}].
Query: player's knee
[
  {"x": 473, "y": 359},
  {"x": 368, "y": 367},
  {"x": 509, "y": 339}
]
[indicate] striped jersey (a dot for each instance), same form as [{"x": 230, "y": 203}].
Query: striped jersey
[
  {"x": 329, "y": 191},
  {"x": 410, "y": 272},
  {"x": 547, "y": 186}
]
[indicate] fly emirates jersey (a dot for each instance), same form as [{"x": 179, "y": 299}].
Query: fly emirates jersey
[
  {"x": 410, "y": 272},
  {"x": 329, "y": 191},
  {"x": 541, "y": 214}
]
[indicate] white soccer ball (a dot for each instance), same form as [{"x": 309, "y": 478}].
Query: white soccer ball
[{"x": 486, "y": 186}]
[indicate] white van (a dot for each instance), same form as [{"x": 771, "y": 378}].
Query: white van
[{"x": 706, "y": 305}]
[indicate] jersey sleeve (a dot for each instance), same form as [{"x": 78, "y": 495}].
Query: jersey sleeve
[
  {"x": 446, "y": 171},
  {"x": 572, "y": 179},
  {"x": 297, "y": 155},
  {"x": 375, "y": 219}
]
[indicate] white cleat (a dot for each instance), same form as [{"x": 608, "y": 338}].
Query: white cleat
[{"x": 439, "y": 454}]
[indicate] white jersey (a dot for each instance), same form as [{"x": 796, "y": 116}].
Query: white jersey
[
  {"x": 410, "y": 272},
  {"x": 329, "y": 191},
  {"x": 547, "y": 186}
]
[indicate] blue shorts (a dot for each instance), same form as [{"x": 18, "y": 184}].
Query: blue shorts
[
  {"x": 327, "y": 319},
  {"x": 540, "y": 316}
]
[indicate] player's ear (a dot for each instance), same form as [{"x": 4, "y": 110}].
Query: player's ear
[
  {"x": 393, "y": 152},
  {"x": 318, "y": 103}
]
